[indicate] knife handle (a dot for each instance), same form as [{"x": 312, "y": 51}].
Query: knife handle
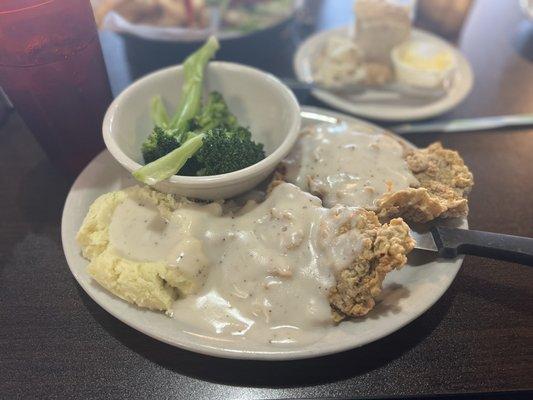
[{"x": 453, "y": 241}]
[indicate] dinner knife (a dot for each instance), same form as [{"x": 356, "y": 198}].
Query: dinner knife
[
  {"x": 397, "y": 89},
  {"x": 466, "y": 124},
  {"x": 451, "y": 242}
]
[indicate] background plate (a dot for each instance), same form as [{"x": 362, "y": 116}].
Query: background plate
[
  {"x": 386, "y": 110},
  {"x": 407, "y": 293}
]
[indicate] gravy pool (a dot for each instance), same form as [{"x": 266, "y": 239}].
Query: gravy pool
[
  {"x": 263, "y": 275},
  {"x": 341, "y": 165}
]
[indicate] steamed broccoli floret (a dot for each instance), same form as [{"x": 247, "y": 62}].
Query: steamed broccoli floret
[
  {"x": 159, "y": 113},
  {"x": 191, "y": 167},
  {"x": 225, "y": 146},
  {"x": 215, "y": 114},
  {"x": 160, "y": 142},
  {"x": 196, "y": 140},
  {"x": 226, "y": 150},
  {"x": 189, "y": 106},
  {"x": 191, "y": 92},
  {"x": 170, "y": 163},
  {"x": 214, "y": 152},
  {"x": 242, "y": 133}
]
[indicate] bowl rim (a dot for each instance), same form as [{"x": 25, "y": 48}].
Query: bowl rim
[
  {"x": 222, "y": 34},
  {"x": 268, "y": 162}
]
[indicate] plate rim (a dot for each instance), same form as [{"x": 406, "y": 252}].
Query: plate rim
[
  {"x": 278, "y": 355},
  {"x": 198, "y": 37},
  {"x": 428, "y": 111}
]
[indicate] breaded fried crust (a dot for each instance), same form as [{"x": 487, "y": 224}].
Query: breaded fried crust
[
  {"x": 384, "y": 248},
  {"x": 445, "y": 182}
]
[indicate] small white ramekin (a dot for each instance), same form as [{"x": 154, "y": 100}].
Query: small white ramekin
[{"x": 417, "y": 77}]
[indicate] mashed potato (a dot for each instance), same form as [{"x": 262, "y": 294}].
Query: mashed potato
[{"x": 152, "y": 285}]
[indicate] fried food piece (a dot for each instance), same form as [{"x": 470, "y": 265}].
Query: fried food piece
[
  {"x": 156, "y": 12},
  {"x": 445, "y": 182},
  {"x": 384, "y": 248},
  {"x": 435, "y": 184}
]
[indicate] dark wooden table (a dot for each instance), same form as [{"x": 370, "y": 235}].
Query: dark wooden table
[{"x": 55, "y": 342}]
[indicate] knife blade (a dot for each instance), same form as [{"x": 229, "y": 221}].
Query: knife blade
[
  {"x": 396, "y": 90},
  {"x": 451, "y": 242},
  {"x": 466, "y": 124},
  {"x": 424, "y": 241}
]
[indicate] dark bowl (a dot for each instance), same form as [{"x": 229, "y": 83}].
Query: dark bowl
[{"x": 269, "y": 49}]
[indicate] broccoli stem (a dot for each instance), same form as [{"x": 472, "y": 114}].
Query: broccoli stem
[
  {"x": 189, "y": 106},
  {"x": 159, "y": 112},
  {"x": 169, "y": 164},
  {"x": 191, "y": 94}
]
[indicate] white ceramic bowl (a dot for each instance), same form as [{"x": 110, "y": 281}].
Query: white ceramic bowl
[{"x": 258, "y": 99}]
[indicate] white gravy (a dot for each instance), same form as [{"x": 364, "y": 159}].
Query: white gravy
[
  {"x": 344, "y": 166},
  {"x": 264, "y": 274}
]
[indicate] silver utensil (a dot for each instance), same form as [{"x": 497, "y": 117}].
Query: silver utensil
[
  {"x": 466, "y": 124},
  {"x": 354, "y": 89},
  {"x": 451, "y": 242}
]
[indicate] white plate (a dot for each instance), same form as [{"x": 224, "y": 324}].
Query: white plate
[
  {"x": 407, "y": 293},
  {"x": 369, "y": 105},
  {"x": 115, "y": 22}
]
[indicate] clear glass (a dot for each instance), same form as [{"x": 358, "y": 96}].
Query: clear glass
[{"x": 52, "y": 69}]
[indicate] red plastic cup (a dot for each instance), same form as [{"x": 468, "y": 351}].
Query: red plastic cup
[{"x": 52, "y": 70}]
